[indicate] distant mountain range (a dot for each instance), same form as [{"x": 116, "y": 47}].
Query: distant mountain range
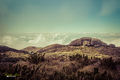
[
  {"x": 20, "y": 41},
  {"x": 83, "y": 57},
  {"x": 78, "y": 44}
]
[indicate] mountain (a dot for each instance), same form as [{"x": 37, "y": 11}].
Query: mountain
[
  {"x": 113, "y": 51},
  {"x": 51, "y": 48},
  {"x": 4, "y": 49},
  {"x": 83, "y": 45},
  {"x": 86, "y": 45},
  {"x": 11, "y": 55},
  {"x": 82, "y": 59},
  {"x": 31, "y": 49},
  {"x": 88, "y": 41}
]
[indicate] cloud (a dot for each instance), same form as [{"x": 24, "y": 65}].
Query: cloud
[
  {"x": 116, "y": 42},
  {"x": 39, "y": 38},
  {"x": 109, "y": 7},
  {"x": 44, "y": 39},
  {"x": 8, "y": 40},
  {"x": 47, "y": 39}
]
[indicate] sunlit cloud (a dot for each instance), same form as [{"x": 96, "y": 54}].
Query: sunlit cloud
[
  {"x": 8, "y": 40},
  {"x": 37, "y": 39}
]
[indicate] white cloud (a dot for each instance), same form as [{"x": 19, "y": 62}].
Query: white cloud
[
  {"x": 41, "y": 40},
  {"x": 37, "y": 40},
  {"x": 116, "y": 42},
  {"x": 7, "y": 40},
  {"x": 47, "y": 39}
]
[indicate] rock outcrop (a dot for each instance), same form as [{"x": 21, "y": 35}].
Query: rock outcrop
[{"x": 87, "y": 41}]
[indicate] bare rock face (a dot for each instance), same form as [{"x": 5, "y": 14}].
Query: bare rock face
[{"x": 87, "y": 41}]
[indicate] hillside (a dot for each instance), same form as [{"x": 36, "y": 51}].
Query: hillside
[
  {"x": 8, "y": 54},
  {"x": 88, "y": 41},
  {"x": 83, "y": 45},
  {"x": 6, "y": 49},
  {"x": 82, "y": 59},
  {"x": 31, "y": 49}
]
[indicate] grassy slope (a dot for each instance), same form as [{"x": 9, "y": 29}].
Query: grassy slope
[{"x": 57, "y": 59}]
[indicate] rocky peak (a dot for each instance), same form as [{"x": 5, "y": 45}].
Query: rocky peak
[{"x": 87, "y": 41}]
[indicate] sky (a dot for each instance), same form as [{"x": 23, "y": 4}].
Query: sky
[{"x": 44, "y": 16}]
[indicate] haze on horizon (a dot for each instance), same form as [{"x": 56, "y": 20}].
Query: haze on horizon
[
  {"x": 20, "y": 41},
  {"x": 36, "y": 16},
  {"x": 58, "y": 21}
]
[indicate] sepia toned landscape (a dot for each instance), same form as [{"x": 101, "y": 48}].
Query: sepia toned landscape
[
  {"x": 59, "y": 39},
  {"x": 82, "y": 59}
]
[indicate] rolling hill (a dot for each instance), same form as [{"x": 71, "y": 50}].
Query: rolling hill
[{"x": 82, "y": 59}]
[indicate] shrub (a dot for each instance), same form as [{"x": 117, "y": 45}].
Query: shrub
[
  {"x": 95, "y": 70},
  {"x": 82, "y": 59},
  {"x": 36, "y": 58},
  {"x": 108, "y": 63},
  {"x": 75, "y": 57}
]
